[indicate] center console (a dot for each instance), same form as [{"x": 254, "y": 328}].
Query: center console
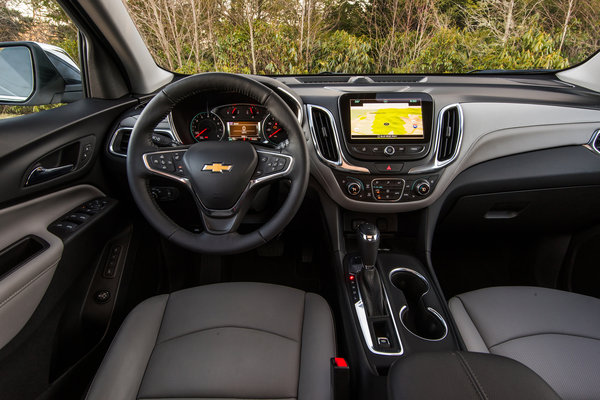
[
  {"x": 396, "y": 309},
  {"x": 378, "y": 153}
]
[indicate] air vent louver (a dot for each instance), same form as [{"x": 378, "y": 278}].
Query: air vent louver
[
  {"x": 324, "y": 135},
  {"x": 449, "y": 134},
  {"x": 120, "y": 141},
  {"x": 124, "y": 142}
]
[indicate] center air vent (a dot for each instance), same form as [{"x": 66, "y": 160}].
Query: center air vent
[
  {"x": 450, "y": 133},
  {"x": 323, "y": 132}
]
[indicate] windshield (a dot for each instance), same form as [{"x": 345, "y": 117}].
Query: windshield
[{"x": 367, "y": 36}]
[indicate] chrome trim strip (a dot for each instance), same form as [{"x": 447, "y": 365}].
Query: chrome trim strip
[
  {"x": 341, "y": 163},
  {"x": 111, "y": 145},
  {"x": 299, "y": 113},
  {"x": 364, "y": 324},
  {"x": 590, "y": 145},
  {"x": 410, "y": 271},
  {"x": 174, "y": 134},
  {"x": 436, "y": 142}
]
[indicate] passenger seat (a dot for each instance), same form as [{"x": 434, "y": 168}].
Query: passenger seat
[{"x": 555, "y": 333}]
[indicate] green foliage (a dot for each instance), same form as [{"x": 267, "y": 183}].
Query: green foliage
[
  {"x": 381, "y": 36},
  {"x": 14, "y": 111},
  {"x": 341, "y": 52},
  {"x": 346, "y": 36},
  {"x": 449, "y": 50}
]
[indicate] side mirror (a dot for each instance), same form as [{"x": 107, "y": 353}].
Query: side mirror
[{"x": 33, "y": 74}]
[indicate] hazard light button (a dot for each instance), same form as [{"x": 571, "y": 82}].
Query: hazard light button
[{"x": 389, "y": 167}]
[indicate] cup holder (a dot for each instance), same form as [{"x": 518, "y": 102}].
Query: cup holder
[{"x": 417, "y": 318}]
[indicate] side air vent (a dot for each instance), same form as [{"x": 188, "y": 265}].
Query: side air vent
[
  {"x": 120, "y": 141},
  {"x": 324, "y": 134},
  {"x": 450, "y": 133}
]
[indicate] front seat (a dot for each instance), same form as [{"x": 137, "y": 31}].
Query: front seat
[
  {"x": 221, "y": 341},
  {"x": 555, "y": 333}
]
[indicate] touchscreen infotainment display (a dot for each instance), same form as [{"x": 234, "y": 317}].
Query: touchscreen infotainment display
[{"x": 386, "y": 119}]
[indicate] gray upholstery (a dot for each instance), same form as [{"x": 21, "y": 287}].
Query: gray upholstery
[
  {"x": 555, "y": 333},
  {"x": 226, "y": 341}
]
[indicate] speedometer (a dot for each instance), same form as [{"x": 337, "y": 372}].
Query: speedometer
[{"x": 206, "y": 126}]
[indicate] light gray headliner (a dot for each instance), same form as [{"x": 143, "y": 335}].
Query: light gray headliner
[{"x": 491, "y": 130}]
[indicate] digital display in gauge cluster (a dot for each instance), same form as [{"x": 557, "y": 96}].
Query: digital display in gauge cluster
[{"x": 233, "y": 122}]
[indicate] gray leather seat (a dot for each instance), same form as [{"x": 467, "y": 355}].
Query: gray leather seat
[
  {"x": 222, "y": 341},
  {"x": 555, "y": 333}
]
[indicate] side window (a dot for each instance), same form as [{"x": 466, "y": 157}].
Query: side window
[{"x": 39, "y": 60}]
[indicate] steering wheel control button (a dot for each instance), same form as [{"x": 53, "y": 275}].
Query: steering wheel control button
[
  {"x": 169, "y": 161},
  {"x": 270, "y": 164},
  {"x": 387, "y": 189},
  {"x": 102, "y": 296},
  {"x": 422, "y": 187},
  {"x": 389, "y": 150}
]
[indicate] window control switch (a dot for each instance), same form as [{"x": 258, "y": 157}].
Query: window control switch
[{"x": 78, "y": 217}]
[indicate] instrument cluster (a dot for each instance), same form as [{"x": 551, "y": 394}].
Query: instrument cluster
[{"x": 232, "y": 122}]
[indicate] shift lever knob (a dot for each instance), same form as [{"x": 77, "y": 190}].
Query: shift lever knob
[{"x": 368, "y": 243}]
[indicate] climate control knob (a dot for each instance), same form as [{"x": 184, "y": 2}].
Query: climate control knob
[
  {"x": 422, "y": 187},
  {"x": 354, "y": 188}
]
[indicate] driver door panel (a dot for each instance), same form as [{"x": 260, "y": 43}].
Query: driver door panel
[{"x": 44, "y": 277}]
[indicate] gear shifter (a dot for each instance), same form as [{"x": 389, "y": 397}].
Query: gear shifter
[{"x": 368, "y": 278}]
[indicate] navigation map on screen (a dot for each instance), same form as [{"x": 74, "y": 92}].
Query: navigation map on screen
[{"x": 386, "y": 119}]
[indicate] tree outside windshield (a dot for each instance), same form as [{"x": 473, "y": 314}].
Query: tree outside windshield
[{"x": 367, "y": 36}]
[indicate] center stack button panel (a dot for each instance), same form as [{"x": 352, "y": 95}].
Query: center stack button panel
[{"x": 380, "y": 189}]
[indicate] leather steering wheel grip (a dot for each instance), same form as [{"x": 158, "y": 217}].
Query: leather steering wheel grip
[{"x": 140, "y": 143}]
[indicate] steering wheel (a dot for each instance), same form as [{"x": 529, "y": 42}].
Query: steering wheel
[{"x": 223, "y": 177}]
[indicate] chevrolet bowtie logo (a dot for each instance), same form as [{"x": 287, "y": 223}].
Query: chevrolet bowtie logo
[{"x": 217, "y": 167}]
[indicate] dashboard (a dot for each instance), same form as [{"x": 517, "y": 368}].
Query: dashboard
[{"x": 396, "y": 146}]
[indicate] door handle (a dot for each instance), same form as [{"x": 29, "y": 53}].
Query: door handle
[{"x": 41, "y": 174}]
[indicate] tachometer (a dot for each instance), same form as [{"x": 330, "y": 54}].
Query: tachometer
[
  {"x": 273, "y": 132},
  {"x": 206, "y": 126}
]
